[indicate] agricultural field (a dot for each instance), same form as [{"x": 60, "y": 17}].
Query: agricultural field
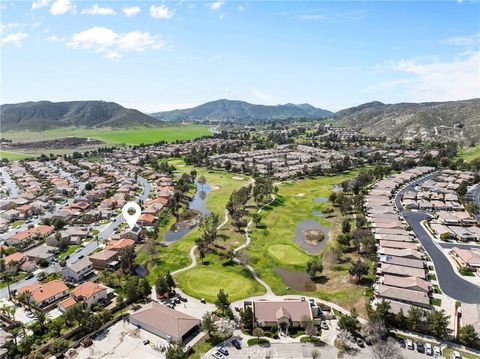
[
  {"x": 273, "y": 245},
  {"x": 130, "y": 136},
  {"x": 12, "y": 156}
]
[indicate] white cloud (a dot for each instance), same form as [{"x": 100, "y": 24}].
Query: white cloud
[
  {"x": 39, "y": 3},
  {"x": 54, "y": 38},
  {"x": 98, "y": 10},
  {"x": 468, "y": 40},
  {"x": 217, "y": 5},
  {"x": 114, "y": 45},
  {"x": 161, "y": 12},
  {"x": 14, "y": 39},
  {"x": 241, "y": 8},
  {"x": 434, "y": 81},
  {"x": 61, "y": 7},
  {"x": 131, "y": 11},
  {"x": 8, "y": 26}
]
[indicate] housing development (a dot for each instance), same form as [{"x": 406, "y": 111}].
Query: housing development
[{"x": 239, "y": 179}]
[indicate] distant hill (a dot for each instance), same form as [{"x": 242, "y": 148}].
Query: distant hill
[
  {"x": 458, "y": 120},
  {"x": 44, "y": 115},
  {"x": 229, "y": 110}
]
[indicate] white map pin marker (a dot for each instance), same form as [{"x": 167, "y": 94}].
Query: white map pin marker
[{"x": 131, "y": 217}]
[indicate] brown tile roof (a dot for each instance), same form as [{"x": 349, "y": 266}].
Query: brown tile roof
[
  {"x": 87, "y": 289},
  {"x": 119, "y": 244},
  {"x": 43, "y": 291},
  {"x": 269, "y": 311},
  {"x": 14, "y": 257},
  {"x": 406, "y": 282},
  {"x": 170, "y": 321}
]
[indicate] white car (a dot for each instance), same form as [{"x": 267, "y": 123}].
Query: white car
[
  {"x": 437, "y": 352},
  {"x": 428, "y": 349},
  {"x": 456, "y": 355},
  {"x": 410, "y": 345}
]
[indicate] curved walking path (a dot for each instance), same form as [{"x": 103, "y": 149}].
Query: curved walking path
[
  {"x": 194, "y": 248},
  {"x": 247, "y": 243}
]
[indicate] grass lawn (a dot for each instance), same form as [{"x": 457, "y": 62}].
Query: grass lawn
[
  {"x": 17, "y": 277},
  {"x": 447, "y": 353},
  {"x": 204, "y": 281},
  {"x": 69, "y": 251},
  {"x": 469, "y": 153},
  {"x": 289, "y": 255},
  {"x": 12, "y": 156},
  {"x": 17, "y": 223},
  {"x": 275, "y": 245},
  {"x": 132, "y": 136},
  {"x": 200, "y": 348}
]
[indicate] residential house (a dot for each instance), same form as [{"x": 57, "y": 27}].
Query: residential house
[
  {"x": 43, "y": 294},
  {"x": 466, "y": 258},
  {"x": 88, "y": 294},
  {"x": 77, "y": 271},
  {"x": 106, "y": 259},
  {"x": 284, "y": 314}
]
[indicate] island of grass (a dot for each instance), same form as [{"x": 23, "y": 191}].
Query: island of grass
[
  {"x": 469, "y": 153},
  {"x": 13, "y": 156}
]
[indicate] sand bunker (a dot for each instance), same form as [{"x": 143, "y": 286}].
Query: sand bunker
[
  {"x": 300, "y": 195},
  {"x": 238, "y": 178}
]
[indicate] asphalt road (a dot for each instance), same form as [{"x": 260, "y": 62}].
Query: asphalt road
[
  {"x": 11, "y": 185},
  {"x": 451, "y": 284}
]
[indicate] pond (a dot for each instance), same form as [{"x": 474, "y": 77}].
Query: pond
[
  {"x": 197, "y": 204},
  {"x": 318, "y": 213},
  {"x": 296, "y": 280},
  {"x": 320, "y": 199},
  {"x": 306, "y": 226}
]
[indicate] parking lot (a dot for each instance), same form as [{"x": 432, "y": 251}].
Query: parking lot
[{"x": 122, "y": 340}]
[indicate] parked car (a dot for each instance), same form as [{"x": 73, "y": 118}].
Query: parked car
[
  {"x": 223, "y": 351},
  {"x": 203, "y": 301},
  {"x": 324, "y": 325},
  {"x": 402, "y": 343},
  {"x": 312, "y": 302},
  {"x": 410, "y": 345},
  {"x": 360, "y": 342},
  {"x": 80, "y": 257},
  {"x": 428, "y": 349},
  {"x": 420, "y": 347},
  {"x": 236, "y": 343},
  {"x": 28, "y": 276},
  {"x": 217, "y": 355},
  {"x": 67, "y": 257},
  {"x": 437, "y": 352},
  {"x": 456, "y": 355}
]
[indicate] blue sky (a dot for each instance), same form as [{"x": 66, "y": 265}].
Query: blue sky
[{"x": 154, "y": 55}]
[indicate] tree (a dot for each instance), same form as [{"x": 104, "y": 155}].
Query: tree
[
  {"x": 438, "y": 323},
  {"x": 209, "y": 225},
  {"x": 202, "y": 180},
  {"x": 467, "y": 335},
  {"x": 225, "y": 328},
  {"x": 314, "y": 266},
  {"x": 127, "y": 257},
  {"x": 315, "y": 353},
  {"x": 59, "y": 345},
  {"x": 55, "y": 326},
  {"x": 415, "y": 317},
  {"x": 223, "y": 304},
  {"x": 207, "y": 324},
  {"x": 386, "y": 349},
  {"x": 258, "y": 332},
  {"x": 358, "y": 270},
  {"x": 346, "y": 225},
  {"x": 383, "y": 315},
  {"x": 262, "y": 190},
  {"x": 349, "y": 322},
  {"x": 246, "y": 317},
  {"x": 175, "y": 351}
]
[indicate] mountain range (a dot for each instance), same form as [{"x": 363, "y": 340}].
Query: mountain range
[
  {"x": 459, "y": 120},
  {"x": 44, "y": 115},
  {"x": 443, "y": 120},
  {"x": 240, "y": 111}
]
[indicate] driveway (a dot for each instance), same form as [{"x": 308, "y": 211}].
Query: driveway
[{"x": 450, "y": 283}]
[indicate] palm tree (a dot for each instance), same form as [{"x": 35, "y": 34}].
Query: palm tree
[
  {"x": 41, "y": 319},
  {"x": 25, "y": 297}
]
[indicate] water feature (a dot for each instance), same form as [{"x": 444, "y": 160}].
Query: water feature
[
  {"x": 320, "y": 199},
  {"x": 318, "y": 213},
  {"x": 198, "y": 205},
  {"x": 308, "y": 225},
  {"x": 296, "y": 280}
]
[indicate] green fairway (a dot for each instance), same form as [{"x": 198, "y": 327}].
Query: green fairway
[
  {"x": 469, "y": 153},
  {"x": 295, "y": 202},
  {"x": 11, "y": 156},
  {"x": 132, "y": 136},
  {"x": 289, "y": 255},
  {"x": 206, "y": 281}
]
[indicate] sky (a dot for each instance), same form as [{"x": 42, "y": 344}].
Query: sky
[{"x": 154, "y": 55}]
